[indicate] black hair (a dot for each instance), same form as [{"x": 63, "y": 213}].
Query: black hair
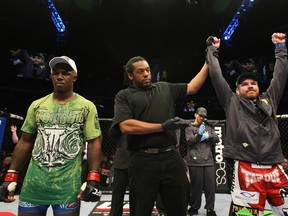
[{"x": 128, "y": 68}]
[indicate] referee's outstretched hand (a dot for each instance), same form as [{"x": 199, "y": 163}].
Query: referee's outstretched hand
[{"x": 175, "y": 123}]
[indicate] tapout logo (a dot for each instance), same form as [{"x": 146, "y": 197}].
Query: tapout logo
[{"x": 220, "y": 168}]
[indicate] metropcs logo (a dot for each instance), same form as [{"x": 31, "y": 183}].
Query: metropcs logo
[{"x": 220, "y": 168}]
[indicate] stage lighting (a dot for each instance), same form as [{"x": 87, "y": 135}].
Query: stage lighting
[
  {"x": 245, "y": 5},
  {"x": 56, "y": 17}
]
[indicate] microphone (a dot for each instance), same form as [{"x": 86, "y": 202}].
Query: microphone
[
  {"x": 208, "y": 122},
  {"x": 6, "y": 114}
]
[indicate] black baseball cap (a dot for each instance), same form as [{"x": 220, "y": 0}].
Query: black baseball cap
[
  {"x": 202, "y": 111},
  {"x": 39, "y": 54},
  {"x": 246, "y": 75},
  {"x": 249, "y": 60}
]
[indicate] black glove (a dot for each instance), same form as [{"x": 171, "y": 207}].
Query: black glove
[
  {"x": 91, "y": 188},
  {"x": 175, "y": 123},
  {"x": 9, "y": 185},
  {"x": 92, "y": 192},
  {"x": 209, "y": 41}
]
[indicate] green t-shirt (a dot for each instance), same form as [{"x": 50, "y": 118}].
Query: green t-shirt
[{"x": 54, "y": 172}]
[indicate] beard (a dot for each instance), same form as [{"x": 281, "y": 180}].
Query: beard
[{"x": 251, "y": 96}]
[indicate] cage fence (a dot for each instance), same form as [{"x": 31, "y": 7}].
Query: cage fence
[{"x": 109, "y": 144}]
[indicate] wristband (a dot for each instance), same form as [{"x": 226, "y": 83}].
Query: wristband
[
  {"x": 11, "y": 177},
  {"x": 93, "y": 176},
  {"x": 280, "y": 45}
]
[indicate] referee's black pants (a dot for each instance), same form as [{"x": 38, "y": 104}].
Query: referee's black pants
[{"x": 150, "y": 173}]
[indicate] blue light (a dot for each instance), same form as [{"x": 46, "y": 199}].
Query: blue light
[
  {"x": 56, "y": 17},
  {"x": 236, "y": 19}
]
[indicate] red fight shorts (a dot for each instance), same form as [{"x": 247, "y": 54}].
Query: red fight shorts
[{"x": 253, "y": 184}]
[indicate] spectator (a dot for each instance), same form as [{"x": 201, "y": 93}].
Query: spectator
[
  {"x": 33, "y": 66},
  {"x": 201, "y": 138},
  {"x": 15, "y": 137}
]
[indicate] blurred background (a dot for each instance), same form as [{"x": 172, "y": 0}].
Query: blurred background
[{"x": 101, "y": 35}]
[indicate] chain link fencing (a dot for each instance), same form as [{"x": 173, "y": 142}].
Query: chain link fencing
[{"x": 109, "y": 144}]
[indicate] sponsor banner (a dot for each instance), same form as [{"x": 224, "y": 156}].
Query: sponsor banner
[
  {"x": 242, "y": 197},
  {"x": 221, "y": 175},
  {"x": 246, "y": 211},
  {"x": 241, "y": 210},
  {"x": 102, "y": 208}
]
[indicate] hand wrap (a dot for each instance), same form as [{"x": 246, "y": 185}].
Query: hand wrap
[{"x": 280, "y": 45}]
